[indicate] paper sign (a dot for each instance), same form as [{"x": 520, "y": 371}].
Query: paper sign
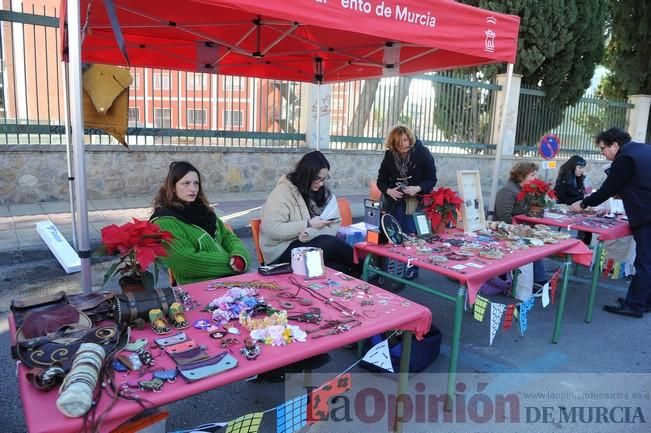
[
  {"x": 59, "y": 246},
  {"x": 545, "y": 295},
  {"x": 379, "y": 355}
]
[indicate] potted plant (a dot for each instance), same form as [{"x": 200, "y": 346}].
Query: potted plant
[
  {"x": 535, "y": 193},
  {"x": 138, "y": 245},
  {"x": 442, "y": 206}
]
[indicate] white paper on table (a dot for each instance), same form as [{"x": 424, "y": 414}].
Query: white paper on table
[{"x": 331, "y": 210}]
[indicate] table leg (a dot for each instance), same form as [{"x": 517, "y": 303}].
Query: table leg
[
  {"x": 596, "y": 270},
  {"x": 563, "y": 295},
  {"x": 454, "y": 346},
  {"x": 403, "y": 380}
]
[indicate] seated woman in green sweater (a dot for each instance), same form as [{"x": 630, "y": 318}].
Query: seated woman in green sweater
[{"x": 202, "y": 247}]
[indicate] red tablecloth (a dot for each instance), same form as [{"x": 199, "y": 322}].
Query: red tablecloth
[
  {"x": 474, "y": 277},
  {"x": 608, "y": 230},
  {"x": 40, "y": 410}
]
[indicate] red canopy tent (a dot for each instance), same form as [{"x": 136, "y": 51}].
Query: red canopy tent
[
  {"x": 317, "y": 41},
  {"x": 299, "y": 40}
]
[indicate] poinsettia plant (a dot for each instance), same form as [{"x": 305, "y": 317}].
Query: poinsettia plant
[
  {"x": 535, "y": 192},
  {"x": 138, "y": 245},
  {"x": 442, "y": 204}
]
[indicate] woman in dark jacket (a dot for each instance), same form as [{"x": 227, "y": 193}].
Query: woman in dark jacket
[
  {"x": 570, "y": 182},
  {"x": 407, "y": 170}
]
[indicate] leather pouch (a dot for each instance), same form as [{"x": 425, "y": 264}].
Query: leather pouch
[
  {"x": 23, "y": 306},
  {"x": 189, "y": 356},
  {"x": 171, "y": 340},
  {"x": 210, "y": 367}
]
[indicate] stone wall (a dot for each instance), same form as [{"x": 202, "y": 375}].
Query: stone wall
[{"x": 39, "y": 173}]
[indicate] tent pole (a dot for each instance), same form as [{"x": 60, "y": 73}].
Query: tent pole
[
  {"x": 318, "y": 115},
  {"x": 77, "y": 132},
  {"x": 500, "y": 141},
  {"x": 71, "y": 177}
]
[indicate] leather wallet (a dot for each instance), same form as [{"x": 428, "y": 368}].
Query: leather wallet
[
  {"x": 210, "y": 367},
  {"x": 181, "y": 347},
  {"x": 171, "y": 340},
  {"x": 280, "y": 268},
  {"x": 189, "y": 356}
]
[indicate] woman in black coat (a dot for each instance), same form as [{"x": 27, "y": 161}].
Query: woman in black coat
[
  {"x": 407, "y": 170},
  {"x": 570, "y": 187},
  {"x": 570, "y": 182}
]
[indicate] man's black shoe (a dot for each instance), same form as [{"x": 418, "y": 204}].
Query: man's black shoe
[
  {"x": 623, "y": 310},
  {"x": 621, "y": 301}
]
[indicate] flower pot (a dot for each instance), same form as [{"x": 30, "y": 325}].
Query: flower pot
[
  {"x": 536, "y": 211},
  {"x": 129, "y": 283},
  {"x": 441, "y": 226}
]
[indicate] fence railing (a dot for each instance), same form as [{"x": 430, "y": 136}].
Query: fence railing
[{"x": 579, "y": 124}]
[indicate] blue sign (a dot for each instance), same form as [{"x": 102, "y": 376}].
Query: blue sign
[{"x": 549, "y": 146}]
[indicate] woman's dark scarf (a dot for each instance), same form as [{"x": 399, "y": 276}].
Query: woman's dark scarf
[
  {"x": 402, "y": 163},
  {"x": 191, "y": 213}
]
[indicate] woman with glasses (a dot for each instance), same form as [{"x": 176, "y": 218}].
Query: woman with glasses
[
  {"x": 202, "y": 247},
  {"x": 291, "y": 217},
  {"x": 406, "y": 171}
]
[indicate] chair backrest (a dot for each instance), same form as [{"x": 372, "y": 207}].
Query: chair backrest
[
  {"x": 374, "y": 192},
  {"x": 344, "y": 211},
  {"x": 255, "y": 234}
]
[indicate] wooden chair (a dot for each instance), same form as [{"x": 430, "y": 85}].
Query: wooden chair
[
  {"x": 344, "y": 211},
  {"x": 255, "y": 234},
  {"x": 374, "y": 192}
]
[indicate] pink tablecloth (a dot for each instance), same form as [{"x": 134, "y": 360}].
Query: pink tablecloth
[
  {"x": 606, "y": 228},
  {"x": 480, "y": 269},
  {"x": 397, "y": 313}
]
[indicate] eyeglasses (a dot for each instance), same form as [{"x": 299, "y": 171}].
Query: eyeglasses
[{"x": 322, "y": 179}]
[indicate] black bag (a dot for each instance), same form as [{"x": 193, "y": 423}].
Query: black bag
[
  {"x": 423, "y": 352},
  {"x": 130, "y": 306}
]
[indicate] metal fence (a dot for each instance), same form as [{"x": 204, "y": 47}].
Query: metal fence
[{"x": 579, "y": 124}]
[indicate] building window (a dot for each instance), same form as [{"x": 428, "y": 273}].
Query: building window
[
  {"x": 196, "y": 81},
  {"x": 232, "y": 118},
  {"x": 196, "y": 117},
  {"x": 161, "y": 81},
  {"x": 134, "y": 115},
  {"x": 232, "y": 84},
  {"x": 162, "y": 118}
]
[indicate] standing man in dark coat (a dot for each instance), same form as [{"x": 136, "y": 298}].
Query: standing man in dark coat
[{"x": 630, "y": 178}]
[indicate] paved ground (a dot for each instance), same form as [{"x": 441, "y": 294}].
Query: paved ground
[{"x": 616, "y": 348}]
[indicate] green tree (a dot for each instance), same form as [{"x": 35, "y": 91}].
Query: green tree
[
  {"x": 559, "y": 44},
  {"x": 628, "y": 55}
]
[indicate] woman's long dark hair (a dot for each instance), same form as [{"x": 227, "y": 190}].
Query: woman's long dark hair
[
  {"x": 167, "y": 198},
  {"x": 305, "y": 172},
  {"x": 567, "y": 171}
]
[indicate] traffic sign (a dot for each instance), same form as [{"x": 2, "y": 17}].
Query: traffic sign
[{"x": 549, "y": 146}]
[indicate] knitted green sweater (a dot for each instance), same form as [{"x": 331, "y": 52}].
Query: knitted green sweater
[{"x": 194, "y": 256}]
